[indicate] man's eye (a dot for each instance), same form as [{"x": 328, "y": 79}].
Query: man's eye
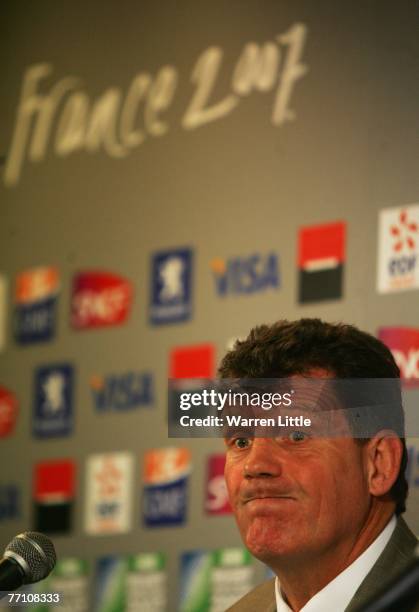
[
  {"x": 241, "y": 442},
  {"x": 297, "y": 436}
]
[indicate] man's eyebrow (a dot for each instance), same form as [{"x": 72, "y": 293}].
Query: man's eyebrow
[
  {"x": 240, "y": 432},
  {"x": 305, "y": 406}
]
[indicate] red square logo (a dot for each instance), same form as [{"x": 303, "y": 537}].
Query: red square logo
[
  {"x": 404, "y": 344},
  {"x": 196, "y": 361},
  {"x": 8, "y": 412},
  {"x": 100, "y": 299}
]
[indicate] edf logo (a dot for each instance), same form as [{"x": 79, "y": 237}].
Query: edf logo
[{"x": 398, "y": 249}]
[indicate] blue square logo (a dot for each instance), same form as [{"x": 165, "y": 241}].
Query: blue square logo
[
  {"x": 36, "y": 298},
  {"x": 171, "y": 286},
  {"x": 165, "y": 504},
  {"x": 53, "y": 402}
]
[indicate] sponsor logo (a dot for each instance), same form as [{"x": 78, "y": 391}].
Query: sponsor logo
[
  {"x": 121, "y": 582},
  {"x": 171, "y": 286},
  {"x": 53, "y": 406},
  {"x": 412, "y": 469},
  {"x": 196, "y": 361},
  {"x": 3, "y": 311},
  {"x": 121, "y": 392},
  {"x": 108, "y": 493},
  {"x": 404, "y": 344},
  {"x": 36, "y": 299},
  {"x": 110, "y": 586},
  {"x": 70, "y": 578},
  {"x": 9, "y": 502},
  {"x": 321, "y": 259},
  {"x": 214, "y": 580},
  {"x": 398, "y": 249},
  {"x": 147, "y": 578},
  {"x": 216, "y": 500},
  {"x": 165, "y": 492},
  {"x": 246, "y": 275},
  {"x": 54, "y": 484},
  {"x": 100, "y": 299},
  {"x": 187, "y": 362},
  {"x": 8, "y": 412}
]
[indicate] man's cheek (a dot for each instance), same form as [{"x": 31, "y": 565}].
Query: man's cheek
[
  {"x": 233, "y": 496},
  {"x": 243, "y": 521},
  {"x": 233, "y": 492},
  {"x": 231, "y": 480}
]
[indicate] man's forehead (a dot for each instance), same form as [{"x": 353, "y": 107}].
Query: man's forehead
[
  {"x": 315, "y": 372},
  {"x": 314, "y": 394}
]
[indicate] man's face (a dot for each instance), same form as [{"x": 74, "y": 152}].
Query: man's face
[{"x": 297, "y": 496}]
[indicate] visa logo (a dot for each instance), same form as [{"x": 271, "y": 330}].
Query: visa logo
[
  {"x": 9, "y": 502},
  {"x": 246, "y": 275},
  {"x": 122, "y": 391}
]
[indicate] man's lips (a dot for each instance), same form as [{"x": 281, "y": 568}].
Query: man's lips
[{"x": 267, "y": 496}]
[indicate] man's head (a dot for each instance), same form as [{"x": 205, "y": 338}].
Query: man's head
[{"x": 301, "y": 496}]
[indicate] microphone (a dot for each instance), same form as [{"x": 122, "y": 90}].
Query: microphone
[{"x": 28, "y": 558}]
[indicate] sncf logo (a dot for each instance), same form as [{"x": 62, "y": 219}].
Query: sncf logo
[
  {"x": 404, "y": 344},
  {"x": 100, "y": 299}
]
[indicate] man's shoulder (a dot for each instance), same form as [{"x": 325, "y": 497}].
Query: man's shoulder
[
  {"x": 260, "y": 599},
  {"x": 399, "y": 550},
  {"x": 392, "y": 561}
]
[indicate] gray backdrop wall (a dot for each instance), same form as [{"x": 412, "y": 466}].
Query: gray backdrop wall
[{"x": 137, "y": 127}]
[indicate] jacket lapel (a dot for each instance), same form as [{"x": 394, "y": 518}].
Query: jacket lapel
[{"x": 392, "y": 560}]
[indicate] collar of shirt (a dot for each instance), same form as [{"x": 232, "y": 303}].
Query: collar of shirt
[{"x": 338, "y": 593}]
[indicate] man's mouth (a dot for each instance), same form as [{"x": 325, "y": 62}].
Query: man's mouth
[{"x": 267, "y": 497}]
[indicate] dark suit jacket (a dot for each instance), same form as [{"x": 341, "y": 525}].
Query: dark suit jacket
[{"x": 392, "y": 560}]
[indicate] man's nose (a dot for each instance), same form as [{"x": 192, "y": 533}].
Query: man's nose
[{"x": 263, "y": 459}]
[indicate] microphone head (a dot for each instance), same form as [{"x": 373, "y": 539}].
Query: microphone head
[{"x": 35, "y": 554}]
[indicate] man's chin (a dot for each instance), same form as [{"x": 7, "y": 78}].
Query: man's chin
[
  {"x": 267, "y": 551},
  {"x": 266, "y": 542}
]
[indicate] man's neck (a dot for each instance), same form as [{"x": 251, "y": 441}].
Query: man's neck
[{"x": 302, "y": 579}]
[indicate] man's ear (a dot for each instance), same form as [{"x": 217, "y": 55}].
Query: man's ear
[{"x": 384, "y": 454}]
